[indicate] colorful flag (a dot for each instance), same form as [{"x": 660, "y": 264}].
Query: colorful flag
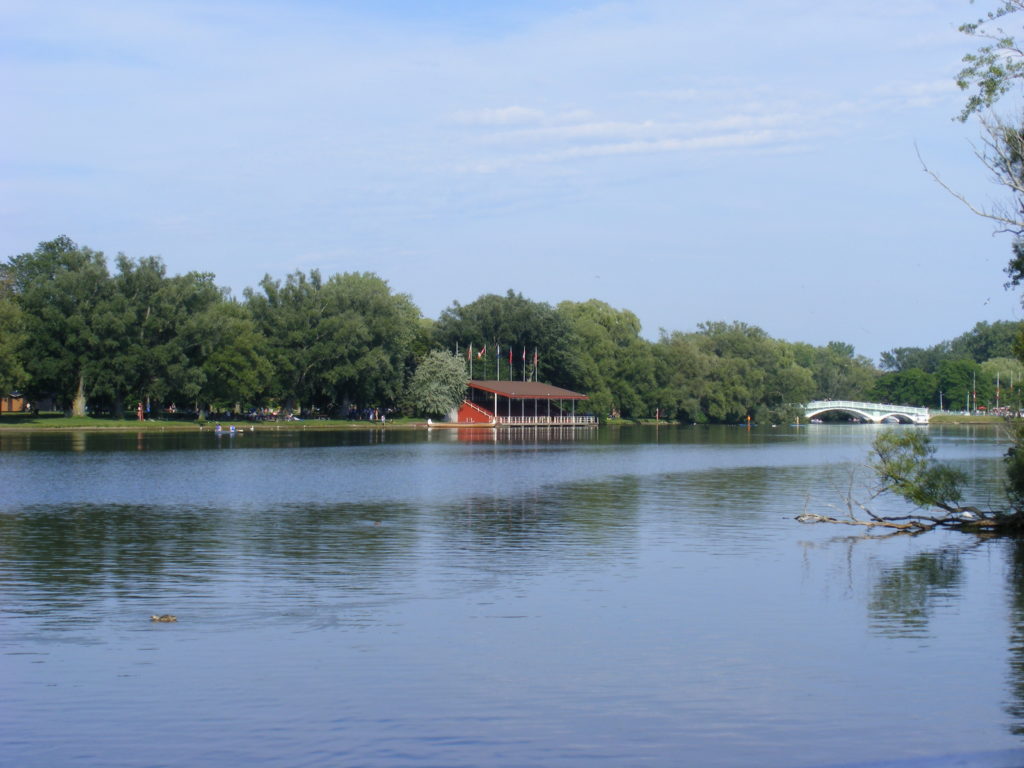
[
  {"x": 482, "y": 352},
  {"x": 469, "y": 352}
]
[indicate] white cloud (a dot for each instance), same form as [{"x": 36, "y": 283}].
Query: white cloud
[{"x": 502, "y": 116}]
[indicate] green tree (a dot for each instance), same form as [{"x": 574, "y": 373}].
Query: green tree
[
  {"x": 234, "y": 363},
  {"x": 375, "y": 332},
  {"x": 963, "y": 382},
  {"x": 289, "y": 315},
  {"x": 998, "y": 64},
  {"x": 438, "y": 385},
  {"x": 986, "y": 341},
  {"x": 909, "y": 387},
  {"x": 839, "y": 373},
  {"x": 903, "y": 461},
  {"x": 907, "y": 358},
  {"x": 1005, "y": 375},
  {"x": 13, "y": 337},
  {"x": 682, "y": 372},
  {"x": 517, "y": 322},
  {"x": 334, "y": 342},
  {"x": 615, "y": 366},
  {"x": 140, "y": 326},
  {"x": 751, "y": 374},
  {"x": 184, "y": 335},
  {"x": 59, "y": 287}
]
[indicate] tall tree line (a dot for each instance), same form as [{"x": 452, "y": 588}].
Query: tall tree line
[{"x": 74, "y": 329}]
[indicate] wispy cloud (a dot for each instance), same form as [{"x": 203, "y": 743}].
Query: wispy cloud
[{"x": 526, "y": 136}]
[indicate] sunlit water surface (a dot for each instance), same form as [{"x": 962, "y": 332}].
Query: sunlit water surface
[{"x": 634, "y": 597}]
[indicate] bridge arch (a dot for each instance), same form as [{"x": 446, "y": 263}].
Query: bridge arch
[
  {"x": 874, "y": 413},
  {"x": 902, "y": 418},
  {"x": 841, "y": 409}
]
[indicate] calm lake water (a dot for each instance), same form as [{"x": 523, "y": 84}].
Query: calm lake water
[{"x": 633, "y": 597}]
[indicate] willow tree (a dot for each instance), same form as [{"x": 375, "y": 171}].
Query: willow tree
[
  {"x": 904, "y": 465},
  {"x": 438, "y": 385},
  {"x": 616, "y": 366}
]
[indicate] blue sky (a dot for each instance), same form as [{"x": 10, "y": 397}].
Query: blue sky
[{"x": 749, "y": 161}]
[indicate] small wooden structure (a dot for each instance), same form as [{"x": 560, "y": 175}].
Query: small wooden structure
[
  {"x": 521, "y": 404},
  {"x": 12, "y": 403}
]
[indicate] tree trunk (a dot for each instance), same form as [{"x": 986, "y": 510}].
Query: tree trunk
[{"x": 78, "y": 406}]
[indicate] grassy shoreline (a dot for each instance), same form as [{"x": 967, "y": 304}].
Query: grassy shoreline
[
  {"x": 956, "y": 418},
  {"x": 57, "y": 422}
]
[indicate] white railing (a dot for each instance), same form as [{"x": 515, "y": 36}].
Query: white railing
[
  {"x": 545, "y": 421},
  {"x": 880, "y": 407},
  {"x": 479, "y": 409}
]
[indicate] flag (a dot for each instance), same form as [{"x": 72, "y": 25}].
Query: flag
[
  {"x": 482, "y": 352},
  {"x": 524, "y": 354},
  {"x": 469, "y": 352},
  {"x": 510, "y": 357}
]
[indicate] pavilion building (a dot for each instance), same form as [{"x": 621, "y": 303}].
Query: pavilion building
[{"x": 521, "y": 404}]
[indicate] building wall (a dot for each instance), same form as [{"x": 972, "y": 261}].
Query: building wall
[
  {"x": 471, "y": 415},
  {"x": 12, "y": 404}
]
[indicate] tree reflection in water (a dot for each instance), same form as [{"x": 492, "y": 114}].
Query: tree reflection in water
[
  {"x": 1015, "y": 707},
  {"x": 905, "y": 596}
]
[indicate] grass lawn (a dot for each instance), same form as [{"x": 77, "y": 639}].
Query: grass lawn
[
  {"x": 956, "y": 418},
  {"x": 60, "y": 421}
]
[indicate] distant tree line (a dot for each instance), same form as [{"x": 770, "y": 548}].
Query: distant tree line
[
  {"x": 981, "y": 368},
  {"x": 86, "y": 335}
]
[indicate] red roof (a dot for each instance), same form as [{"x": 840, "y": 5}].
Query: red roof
[{"x": 527, "y": 390}]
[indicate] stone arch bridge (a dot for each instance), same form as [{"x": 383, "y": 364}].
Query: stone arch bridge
[{"x": 874, "y": 413}]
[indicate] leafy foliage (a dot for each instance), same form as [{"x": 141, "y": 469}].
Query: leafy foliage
[
  {"x": 62, "y": 291},
  {"x": 907, "y": 387},
  {"x": 904, "y": 463},
  {"x": 513, "y": 321},
  {"x": 70, "y": 327},
  {"x": 334, "y": 342},
  {"x": 438, "y": 385},
  {"x": 12, "y": 337},
  {"x": 993, "y": 69}
]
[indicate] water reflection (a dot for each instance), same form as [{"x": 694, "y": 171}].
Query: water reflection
[
  {"x": 905, "y": 596},
  {"x": 1015, "y": 708},
  {"x": 400, "y": 599},
  {"x": 94, "y": 562}
]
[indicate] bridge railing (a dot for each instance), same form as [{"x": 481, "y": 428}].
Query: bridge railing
[{"x": 887, "y": 407}]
